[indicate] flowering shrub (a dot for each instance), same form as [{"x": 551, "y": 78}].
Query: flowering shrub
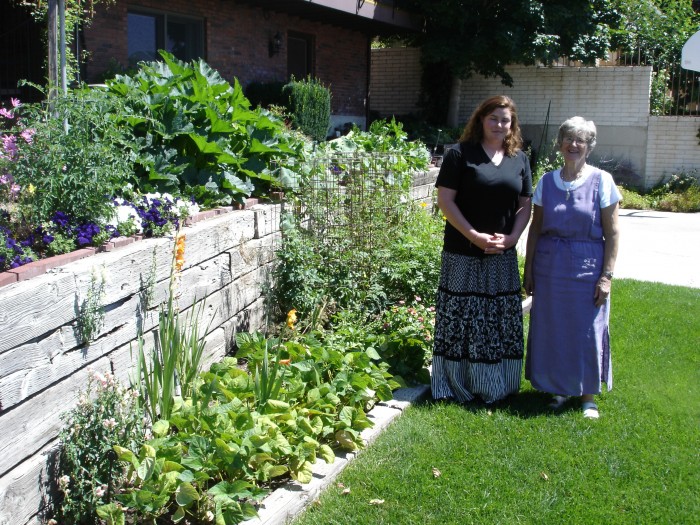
[
  {"x": 88, "y": 473},
  {"x": 405, "y": 339}
]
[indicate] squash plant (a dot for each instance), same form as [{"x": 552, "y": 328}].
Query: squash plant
[
  {"x": 219, "y": 451},
  {"x": 198, "y": 135}
]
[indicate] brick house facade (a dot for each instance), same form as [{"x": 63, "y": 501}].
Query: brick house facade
[{"x": 328, "y": 40}]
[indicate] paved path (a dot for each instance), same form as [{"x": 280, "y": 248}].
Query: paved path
[{"x": 659, "y": 246}]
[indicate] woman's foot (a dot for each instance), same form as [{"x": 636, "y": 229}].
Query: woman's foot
[
  {"x": 557, "y": 402},
  {"x": 590, "y": 409}
]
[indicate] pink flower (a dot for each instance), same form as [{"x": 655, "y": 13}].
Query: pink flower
[
  {"x": 6, "y": 113},
  {"x": 28, "y": 135},
  {"x": 15, "y": 102},
  {"x": 418, "y": 299},
  {"x": 9, "y": 144},
  {"x": 110, "y": 423}
]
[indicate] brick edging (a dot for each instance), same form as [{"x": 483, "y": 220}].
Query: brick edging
[{"x": 40, "y": 267}]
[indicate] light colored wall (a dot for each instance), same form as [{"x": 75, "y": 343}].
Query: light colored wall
[
  {"x": 615, "y": 98},
  {"x": 640, "y": 148},
  {"x": 43, "y": 364},
  {"x": 673, "y": 147}
]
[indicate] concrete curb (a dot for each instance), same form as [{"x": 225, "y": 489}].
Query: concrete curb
[{"x": 283, "y": 504}]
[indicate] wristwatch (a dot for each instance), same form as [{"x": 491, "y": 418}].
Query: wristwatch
[{"x": 608, "y": 275}]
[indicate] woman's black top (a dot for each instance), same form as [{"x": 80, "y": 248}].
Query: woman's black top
[{"x": 487, "y": 195}]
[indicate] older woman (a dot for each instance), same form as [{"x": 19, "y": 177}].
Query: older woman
[
  {"x": 484, "y": 188},
  {"x": 571, "y": 251}
]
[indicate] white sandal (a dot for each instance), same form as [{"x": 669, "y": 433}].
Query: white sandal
[{"x": 590, "y": 410}]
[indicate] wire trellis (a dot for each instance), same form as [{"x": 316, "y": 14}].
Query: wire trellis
[{"x": 352, "y": 205}]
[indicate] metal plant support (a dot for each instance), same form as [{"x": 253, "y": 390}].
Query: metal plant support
[{"x": 352, "y": 207}]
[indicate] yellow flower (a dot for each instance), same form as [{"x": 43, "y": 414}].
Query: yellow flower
[
  {"x": 291, "y": 318},
  {"x": 423, "y": 204},
  {"x": 180, "y": 252},
  {"x": 31, "y": 189}
]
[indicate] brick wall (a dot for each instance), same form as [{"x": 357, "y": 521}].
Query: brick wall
[
  {"x": 673, "y": 147},
  {"x": 395, "y": 81},
  {"x": 236, "y": 45}
]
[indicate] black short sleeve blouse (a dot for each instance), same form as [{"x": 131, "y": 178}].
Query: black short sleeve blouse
[{"x": 487, "y": 194}]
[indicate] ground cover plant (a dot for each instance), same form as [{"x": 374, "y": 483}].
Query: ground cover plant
[
  {"x": 678, "y": 193},
  {"x": 517, "y": 462}
]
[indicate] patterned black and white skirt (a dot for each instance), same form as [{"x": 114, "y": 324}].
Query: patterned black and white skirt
[{"x": 478, "y": 348}]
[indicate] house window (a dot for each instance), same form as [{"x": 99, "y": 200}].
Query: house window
[
  {"x": 300, "y": 55},
  {"x": 149, "y": 32}
]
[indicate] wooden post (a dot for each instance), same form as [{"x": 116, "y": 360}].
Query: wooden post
[
  {"x": 53, "y": 48},
  {"x": 62, "y": 44}
]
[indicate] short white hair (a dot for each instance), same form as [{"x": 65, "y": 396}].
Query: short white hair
[{"x": 578, "y": 126}]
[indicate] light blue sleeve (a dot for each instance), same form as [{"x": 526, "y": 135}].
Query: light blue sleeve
[
  {"x": 537, "y": 195},
  {"x": 608, "y": 192}
]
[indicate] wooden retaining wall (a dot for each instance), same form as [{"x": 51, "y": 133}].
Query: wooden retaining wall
[{"x": 44, "y": 365}]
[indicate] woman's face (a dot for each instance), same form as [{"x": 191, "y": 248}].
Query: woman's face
[
  {"x": 496, "y": 125},
  {"x": 574, "y": 147}
]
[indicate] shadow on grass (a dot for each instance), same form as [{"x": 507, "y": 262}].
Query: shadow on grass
[{"x": 524, "y": 404}]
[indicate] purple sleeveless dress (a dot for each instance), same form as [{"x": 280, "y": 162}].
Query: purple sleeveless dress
[{"x": 568, "y": 350}]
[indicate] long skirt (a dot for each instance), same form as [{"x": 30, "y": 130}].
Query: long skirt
[
  {"x": 478, "y": 349},
  {"x": 569, "y": 339}
]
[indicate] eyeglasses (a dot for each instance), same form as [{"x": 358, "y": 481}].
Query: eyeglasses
[{"x": 571, "y": 139}]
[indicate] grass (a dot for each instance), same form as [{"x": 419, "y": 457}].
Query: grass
[{"x": 519, "y": 463}]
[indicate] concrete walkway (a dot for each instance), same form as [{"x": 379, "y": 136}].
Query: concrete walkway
[{"x": 659, "y": 246}]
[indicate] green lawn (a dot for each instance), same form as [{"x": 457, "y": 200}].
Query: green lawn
[{"x": 520, "y": 463}]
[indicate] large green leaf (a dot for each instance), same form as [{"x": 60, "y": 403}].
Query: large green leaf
[{"x": 186, "y": 494}]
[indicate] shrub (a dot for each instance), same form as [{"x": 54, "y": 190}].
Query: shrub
[
  {"x": 309, "y": 107},
  {"x": 88, "y": 472},
  {"x": 411, "y": 266},
  {"x": 70, "y": 156}
]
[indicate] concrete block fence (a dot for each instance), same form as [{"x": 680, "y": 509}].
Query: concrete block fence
[
  {"x": 44, "y": 364},
  {"x": 643, "y": 149}
]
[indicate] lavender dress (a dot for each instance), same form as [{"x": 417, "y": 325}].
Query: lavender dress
[{"x": 568, "y": 350}]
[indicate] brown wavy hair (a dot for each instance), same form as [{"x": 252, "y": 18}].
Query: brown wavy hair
[{"x": 474, "y": 130}]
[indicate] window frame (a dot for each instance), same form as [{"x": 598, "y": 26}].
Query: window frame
[{"x": 163, "y": 18}]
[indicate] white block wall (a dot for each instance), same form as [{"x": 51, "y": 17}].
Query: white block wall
[
  {"x": 673, "y": 147},
  {"x": 610, "y": 96}
]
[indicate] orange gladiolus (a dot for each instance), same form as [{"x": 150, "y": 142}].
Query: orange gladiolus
[{"x": 180, "y": 252}]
